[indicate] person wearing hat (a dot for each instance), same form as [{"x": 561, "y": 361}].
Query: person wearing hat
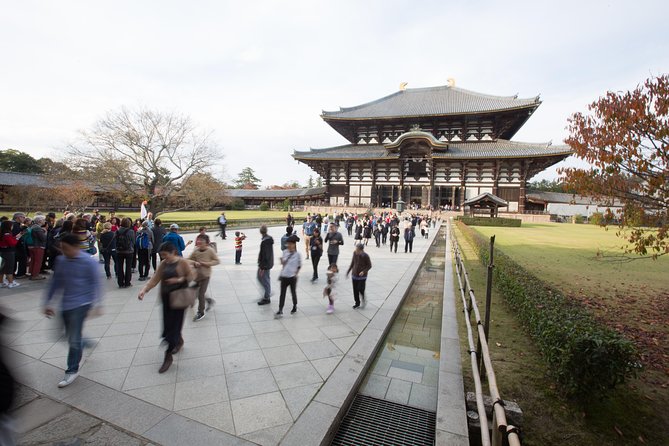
[
  {"x": 291, "y": 262},
  {"x": 174, "y": 238},
  {"x": 360, "y": 266}
]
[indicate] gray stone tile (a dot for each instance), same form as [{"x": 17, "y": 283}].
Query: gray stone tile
[
  {"x": 110, "y": 378},
  {"x": 161, "y": 395},
  {"x": 398, "y": 391},
  {"x": 177, "y": 430},
  {"x": 295, "y": 375},
  {"x": 35, "y": 350},
  {"x": 204, "y": 366},
  {"x": 274, "y": 339},
  {"x": 217, "y": 415},
  {"x": 260, "y": 412},
  {"x": 196, "y": 348},
  {"x": 44, "y": 378},
  {"x": 325, "y": 366},
  {"x": 405, "y": 375},
  {"x": 342, "y": 382},
  {"x": 444, "y": 438},
  {"x": 267, "y": 326},
  {"x": 302, "y": 335},
  {"x": 241, "y": 329},
  {"x": 148, "y": 355},
  {"x": 338, "y": 331},
  {"x": 134, "y": 316},
  {"x": 147, "y": 375},
  {"x": 297, "y": 398},
  {"x": 70, "y": 425},
  {"x": 283, "y": 355},
  {"x": 243, "y": 361},
  {"x": 312, "y": 426},
  {"x": 39, "y": 337},
  {"x": 98, "y": 361},
  {"x": 344, "y": 344},
  {"x": 238, "y": 344},
  {"x": 36, "y": 413},
  {"x": 107, "y": 435},
  {"x": 268, "y": 437},
  {"x": 200, "y": 392},
  {"x": 117, "y": 408},
  {"x": 381, "y": 366},
  {"x": 116, "y": 343},
  {"x": 375, "y": 386},
  {"x": 126, "y": 328},
  {"x": 226, "y": 319},
  {"x": 320, "y": 349},
  {"x": 200, "y": 333},
  {"x": 424, "y": 397},
  {"x": 252, "y": 382}
]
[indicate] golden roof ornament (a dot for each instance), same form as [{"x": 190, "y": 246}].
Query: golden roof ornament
[
  {"x": 450, "y": 82},
  {"x": 403, "y": 86}
]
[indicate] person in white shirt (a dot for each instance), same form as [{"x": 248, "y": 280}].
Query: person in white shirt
[{"x": 291, "y": 262}]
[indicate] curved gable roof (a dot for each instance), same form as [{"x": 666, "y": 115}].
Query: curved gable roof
[{"x": 431, "y": 101}]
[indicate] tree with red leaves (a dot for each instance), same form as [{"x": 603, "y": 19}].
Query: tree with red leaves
[{"x": 625, "y": 139}]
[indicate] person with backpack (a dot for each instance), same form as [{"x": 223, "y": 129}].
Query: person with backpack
[
  {"x": 18, "y": 229},
  {"x": 394, "y": 236},
  {"x": 409, "y": 235},
  {"x": 108, "y": 249},
  {"x": 222, "y": 223},
  {"x": 174, "y": 238},
  {"x": 8, "y": 244},
  {"x": 125, "y": 251},
  {"x": 144, "y": 243},
  {"x": 158, "y": 234},
  {"x": 36, "y": 242}
]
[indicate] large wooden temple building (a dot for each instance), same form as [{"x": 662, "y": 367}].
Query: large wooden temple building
[{"x": 436, "y": 146}]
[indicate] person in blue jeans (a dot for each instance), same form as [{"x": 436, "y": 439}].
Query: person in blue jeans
[{"x": 76, "y": 275}]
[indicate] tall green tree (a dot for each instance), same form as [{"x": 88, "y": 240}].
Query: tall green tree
[
  {"x": 12, "y": 160},
  {"x": 247, "y": 179}
]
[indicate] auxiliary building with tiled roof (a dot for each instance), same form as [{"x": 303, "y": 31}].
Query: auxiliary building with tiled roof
[{"x": 431, "y": 146}]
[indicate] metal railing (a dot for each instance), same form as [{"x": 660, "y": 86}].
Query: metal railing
[{"x": 481, "y": 354}]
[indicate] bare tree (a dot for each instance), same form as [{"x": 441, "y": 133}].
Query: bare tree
[
  {"x": 201, "y": 191},
  {"x": 148, "y": 153}
]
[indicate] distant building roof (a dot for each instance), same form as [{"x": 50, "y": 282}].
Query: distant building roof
[
  {"x": 493, "y": 149},
  {"x": 22, "y": 179},
  {"x": 559, "y": 197},
  {"x": 260, "y": 194},
  {"x": 431, "y": 101}
]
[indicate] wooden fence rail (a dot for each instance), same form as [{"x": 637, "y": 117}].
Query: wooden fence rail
[{"x": 502, "y": 429}]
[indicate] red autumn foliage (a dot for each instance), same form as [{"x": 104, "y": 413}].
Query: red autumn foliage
[{"x": 625, "y": 139}]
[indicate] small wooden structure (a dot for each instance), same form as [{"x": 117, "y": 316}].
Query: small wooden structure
[{"x": 486, "y": 204}]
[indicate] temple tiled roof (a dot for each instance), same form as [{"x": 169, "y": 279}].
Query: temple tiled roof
[
  {"x": 431, "y": 101},
  {"x": 274, "y": 193},
  {"x": 493, "y": 149}
]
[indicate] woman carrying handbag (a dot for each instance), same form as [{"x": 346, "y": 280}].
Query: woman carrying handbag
[{"x": 174, "y": 275}]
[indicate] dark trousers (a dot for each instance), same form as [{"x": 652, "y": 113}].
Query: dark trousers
[
  {"x": 124, "y": 270},
  {"x": 384, "y": 238},
  {"x": 377, "y": 239},
  {"x": 332, "y": 258},
  {"x": 238, "y": 256},
  {"x": 393, "y": 242},
  {"x": 21, "y": 260},
  {"x": 408, "y": 244},
  {"x": 144, "y": 265},
  {"x": 108, "y": 256},
  {"x": 315, "y": 258},
  {"x": 223, "y": 236},
  {"x": 285, "y": 282},
  {"x": 154, "y": 261},
  {"x": 358, "y": 289},
  {"x": 173, "y": 322},
  {"x": 134, "y": 258}
]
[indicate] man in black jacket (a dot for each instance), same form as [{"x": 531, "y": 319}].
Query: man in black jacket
[{"x": 265, "y": 263}]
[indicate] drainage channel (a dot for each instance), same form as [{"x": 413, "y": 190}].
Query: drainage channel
[{"x": 397, "y": 401}]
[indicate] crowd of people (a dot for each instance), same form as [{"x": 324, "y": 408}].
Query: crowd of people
[{"x": 69, "y": 247}]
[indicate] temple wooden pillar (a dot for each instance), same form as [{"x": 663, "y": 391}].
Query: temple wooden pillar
[
  {"x": 373, "y": 198},
  {"x": 463, "y": 189},
  {"x": 347, "y": 192},
  {"x": 495, "y": 177},
  {"x": 327, "y": 183},
  {"x": 523, "y": 186}
]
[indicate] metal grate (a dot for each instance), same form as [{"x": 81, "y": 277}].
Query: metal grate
[{"x": 371, "y": 421}]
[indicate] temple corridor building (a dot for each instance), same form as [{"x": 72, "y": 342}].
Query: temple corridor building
[{"x": 436, "y": 146}]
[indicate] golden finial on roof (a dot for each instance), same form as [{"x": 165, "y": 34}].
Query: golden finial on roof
[
  {"x": 403, "y": 86},
  {"x": 450, "y": 82}
]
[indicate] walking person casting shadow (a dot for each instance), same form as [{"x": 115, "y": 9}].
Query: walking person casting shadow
[{"x": 173, "y": 273}]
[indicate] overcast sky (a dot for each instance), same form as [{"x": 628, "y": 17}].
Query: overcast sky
[{"x": 259, "y": 73}]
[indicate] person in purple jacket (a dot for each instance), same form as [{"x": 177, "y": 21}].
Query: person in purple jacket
[{"x": 76, "y": 276}]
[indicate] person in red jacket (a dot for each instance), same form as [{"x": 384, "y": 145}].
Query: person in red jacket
[{"x": 8, "y": 244}]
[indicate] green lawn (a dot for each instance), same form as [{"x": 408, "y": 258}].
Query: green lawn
[{"x": 632, "y": 297}]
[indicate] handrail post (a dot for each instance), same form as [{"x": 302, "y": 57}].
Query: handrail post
[{"x": 488, "y": 293}]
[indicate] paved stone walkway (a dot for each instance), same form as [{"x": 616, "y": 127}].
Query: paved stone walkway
[{"x": 243, "y": 376}]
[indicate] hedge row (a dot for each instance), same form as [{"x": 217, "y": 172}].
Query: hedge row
[
  {"x": 232, "y": 224},
  {"x": 586, "y": 358},
  {"x": 488, "y": 221}
]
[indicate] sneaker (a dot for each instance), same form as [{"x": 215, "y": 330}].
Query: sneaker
[
  {"x": 263, "y": 301},
  {"x": 68, "y": 379},
  {"x": 210, "y": 303},
  {"x": 198, "y": 317},
  {"x": 330, "y": 309},
  {"x": 356, "y": 306},
  {"x": 294, "y": 310},
  {"x": 279, "y": 313},
  {"x": 13, "y": 285}
]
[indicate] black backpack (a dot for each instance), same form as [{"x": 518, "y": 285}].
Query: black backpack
[{"x": 123, "y": 242}]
